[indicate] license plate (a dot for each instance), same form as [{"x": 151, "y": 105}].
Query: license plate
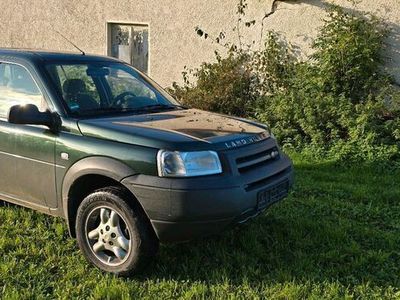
[{"x": 273, "y": 194}]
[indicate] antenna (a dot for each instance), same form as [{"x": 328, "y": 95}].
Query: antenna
[{"x": 75, "y": 46}]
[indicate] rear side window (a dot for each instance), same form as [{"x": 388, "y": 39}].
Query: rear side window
[{"x": 17, "y": 87}]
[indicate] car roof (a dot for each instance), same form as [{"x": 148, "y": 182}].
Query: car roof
[{"x": 33, "y": 56}]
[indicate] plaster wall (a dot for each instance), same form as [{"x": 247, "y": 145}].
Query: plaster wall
[{"x": 173, "y": 41}]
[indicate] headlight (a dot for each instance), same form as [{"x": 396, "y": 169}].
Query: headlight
[{"x": 187, "y": 164}]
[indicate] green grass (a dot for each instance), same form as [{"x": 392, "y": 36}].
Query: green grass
[{"x": 336, "y": 236}]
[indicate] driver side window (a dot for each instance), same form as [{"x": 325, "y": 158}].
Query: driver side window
[{"x": 17, "y": 87}]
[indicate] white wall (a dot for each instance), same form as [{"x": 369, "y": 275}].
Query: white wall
[{"x": 173, "y": 42}]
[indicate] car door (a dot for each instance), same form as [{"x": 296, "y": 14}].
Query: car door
[
  {"x": 7, "y": 160},
  {"x": 7, "y": 141},
  {"x": 34, "y": 146}
]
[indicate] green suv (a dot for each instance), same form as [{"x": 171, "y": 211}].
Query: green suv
[{"x": 95, "y": 141}]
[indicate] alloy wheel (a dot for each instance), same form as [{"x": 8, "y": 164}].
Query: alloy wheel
[{"x": 108, "y": 236}]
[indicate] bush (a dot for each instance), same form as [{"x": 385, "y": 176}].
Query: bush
[
  {"x": 224, "y": 86},
  {"x": 338, "y": 103}
]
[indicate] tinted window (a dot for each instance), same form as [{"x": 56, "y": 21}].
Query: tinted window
[{"x": 17, "y": 87}]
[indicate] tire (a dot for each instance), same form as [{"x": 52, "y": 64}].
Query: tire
[{"x": 122, "y": 244}]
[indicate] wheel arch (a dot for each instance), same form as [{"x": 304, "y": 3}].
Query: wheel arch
[{"x": 88, "y": 175}]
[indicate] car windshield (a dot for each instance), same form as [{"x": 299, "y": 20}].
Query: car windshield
[{"x": 91, "y": 89}]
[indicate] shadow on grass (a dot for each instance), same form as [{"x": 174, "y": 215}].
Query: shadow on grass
[{"x": 340, "y": 224}]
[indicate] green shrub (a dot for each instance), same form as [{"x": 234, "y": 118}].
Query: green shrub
[
  {"x": 338, "y": 103},
  {"x": 349, "y": 54},
  {"x": 225, "y": 86}
]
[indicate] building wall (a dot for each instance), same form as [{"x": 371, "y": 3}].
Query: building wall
[{"x": 173, "y": 41}]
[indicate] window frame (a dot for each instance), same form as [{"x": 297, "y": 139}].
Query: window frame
[
  {"x": 108, "y": 26},
  {"x": 7, "y": 62}
]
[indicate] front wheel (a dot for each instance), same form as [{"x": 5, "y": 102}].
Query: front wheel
[{"x": 113, "y": 235}]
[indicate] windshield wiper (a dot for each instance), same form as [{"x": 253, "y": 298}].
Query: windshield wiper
[
  {"x": 112, "y": 109},
  {"x": 160, "y": 107},
  {"x": 156, "y": 107}
]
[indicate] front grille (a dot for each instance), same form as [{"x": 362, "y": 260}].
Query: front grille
[
  {"x": 266, "y": 180},
  {"x": 258, "y": 165},
  {"x": 259, "y": 159}
]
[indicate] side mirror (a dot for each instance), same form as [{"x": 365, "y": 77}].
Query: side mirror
[{"x": 30, "y": 114}]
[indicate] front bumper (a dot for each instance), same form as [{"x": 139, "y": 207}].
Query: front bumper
[{"x": 181, "y": 209}]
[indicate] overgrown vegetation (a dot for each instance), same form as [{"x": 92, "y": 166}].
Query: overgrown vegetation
[
  {"x": 338, "y": 103},
  {"x": 224, "y": 86},
  {"x": 335, "y": 237}
]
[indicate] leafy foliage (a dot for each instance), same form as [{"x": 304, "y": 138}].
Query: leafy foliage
[
  {"x": 348, "y": 55},
  {"x": 337, "y": 103},
  {"x": 225, "y": 86}
]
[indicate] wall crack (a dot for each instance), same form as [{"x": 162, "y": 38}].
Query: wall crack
[{"x": 274, "y": 8}]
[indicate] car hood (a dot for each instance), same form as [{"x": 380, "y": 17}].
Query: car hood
[{"x": 176, "y": 130}]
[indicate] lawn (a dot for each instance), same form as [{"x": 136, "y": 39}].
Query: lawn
[{"x": 336, "y": 236}]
